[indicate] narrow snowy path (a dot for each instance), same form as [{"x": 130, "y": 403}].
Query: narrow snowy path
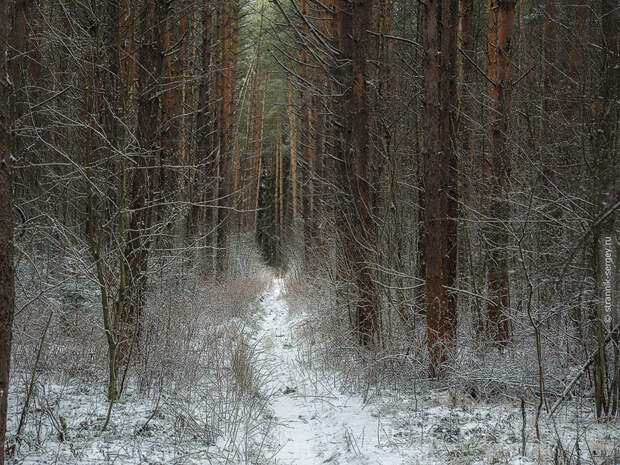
[{"x": 315, "y": 425}]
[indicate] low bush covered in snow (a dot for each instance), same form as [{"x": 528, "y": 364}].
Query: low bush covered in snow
[{"x": 193, "y": 392}]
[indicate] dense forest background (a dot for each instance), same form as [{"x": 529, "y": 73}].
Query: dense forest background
[{"x": 438, "y": 181}]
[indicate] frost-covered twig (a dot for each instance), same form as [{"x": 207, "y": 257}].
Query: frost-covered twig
[
  {"x": 22, "y": 418},
  {"x": 583, "y": 369}
]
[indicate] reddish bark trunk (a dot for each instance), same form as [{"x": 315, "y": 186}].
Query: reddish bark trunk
[
  {"x": 171, "y": 99},
  {"x": 500, "y": 32},
  {"x": 228, "y": 37},
  {"x": 292, "y": 121}
]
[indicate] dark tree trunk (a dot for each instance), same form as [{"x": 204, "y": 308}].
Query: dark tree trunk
[
  {"x": 204, "y": 157},
  {"x": 7, "y": 289},
  {"x": 353, "y": 147},
  {"x": 440, "y": 197},
  {"x": 152, "y": 18}
]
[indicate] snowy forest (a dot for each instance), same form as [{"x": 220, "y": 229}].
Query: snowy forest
[{"x": 304, "y": 232}]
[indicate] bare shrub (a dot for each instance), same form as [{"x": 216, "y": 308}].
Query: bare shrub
[
  {"x": 332, "y": 345},
  {"x": 194, "y": 373}
]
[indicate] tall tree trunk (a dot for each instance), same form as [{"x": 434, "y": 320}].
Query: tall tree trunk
[
  {"x": 386, "y": 199},
  {"x": 467, "y": 159},
  {"x": 7, "y": 288},
  {"x": 367, "y": 313},
  {"x": 228, "y": 37},
  {"x": 127, "y": 50},
  {"x": 280, "y": 194},
  {"x": 440, "y": 197},
  {"x": 306, "y": 137},
  {"x": 353, "y": 22},
  {"x": 116, "y": 88},
  {"x": 150, "y": 58},
  {"x": 293, "y": 132},
  {"x": 258, "y": 150},
  {"x": 203, "y": 180},
  {"x": 173, "y": 36},
  {"x": 253, "y": 178},
  {"x": 501, "y": 15},
  {"x": 18, "y": 54}
]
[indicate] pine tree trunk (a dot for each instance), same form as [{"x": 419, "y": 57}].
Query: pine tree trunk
[
  {"x": 152, "y": 16},
  {"x": 440, "y": 196},
  {"x": 203, "y": 180},
  {"x": 7, "y": 288},
  {"x": 353, "y": 145},
  {"x": 500, "y": 31},
  {"x": 228, "y": 36},
  {"x": 292, "y": 123}
]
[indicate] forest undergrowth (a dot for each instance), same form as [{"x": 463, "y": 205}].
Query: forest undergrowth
[
  {"x": 194, "y": 392},
  {"x": 201, "y": 390},
  {"x": 483, "y": 412}
]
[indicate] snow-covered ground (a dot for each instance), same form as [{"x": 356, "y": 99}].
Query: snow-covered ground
[
  {"x": 265, "y": 400},
  {"x": 315, "y": 425}
]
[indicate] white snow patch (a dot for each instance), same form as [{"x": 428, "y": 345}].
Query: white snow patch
[
  {"x": 299, "y": 417},
  {"x": 315, "y": 425}
]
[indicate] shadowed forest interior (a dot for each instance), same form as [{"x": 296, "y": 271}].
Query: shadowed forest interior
[{"x": 419, "y": 198}]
